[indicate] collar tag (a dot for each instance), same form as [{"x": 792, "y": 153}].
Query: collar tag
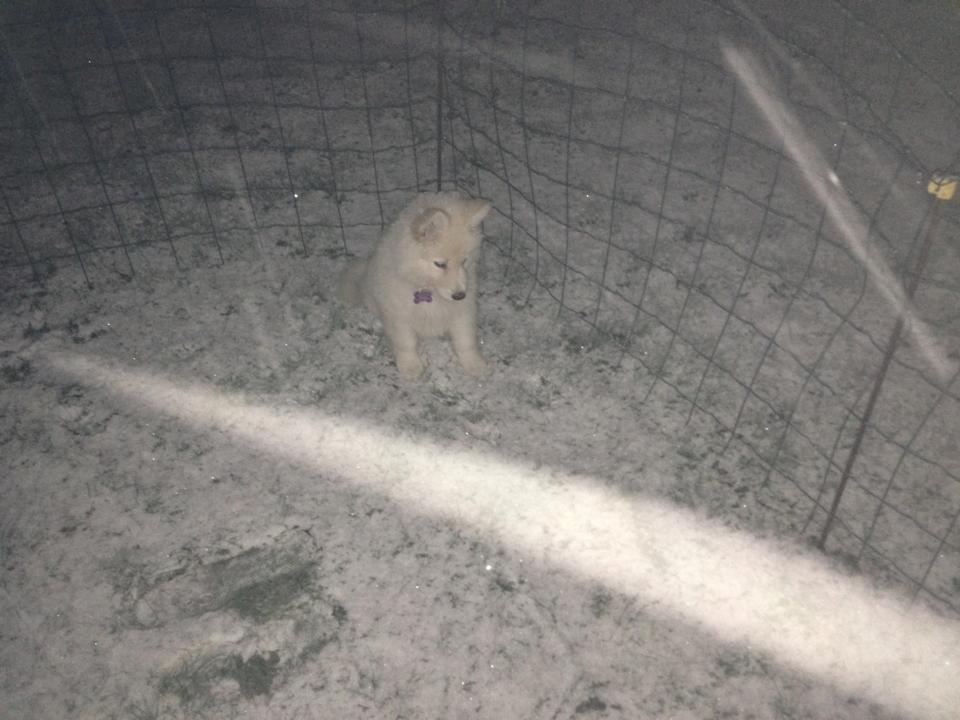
[{"x": 420, "y": 296}]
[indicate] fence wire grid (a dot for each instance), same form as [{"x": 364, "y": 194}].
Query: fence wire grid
[{"x": 637, "y": 189}]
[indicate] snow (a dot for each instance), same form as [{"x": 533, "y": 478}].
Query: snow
[{"x": 220, "y": 501}]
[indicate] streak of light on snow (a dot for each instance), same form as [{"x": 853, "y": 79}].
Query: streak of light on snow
[{"x": 739, "y": 588}]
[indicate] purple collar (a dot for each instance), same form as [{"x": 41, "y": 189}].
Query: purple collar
[{"x": 420, "y": 296}]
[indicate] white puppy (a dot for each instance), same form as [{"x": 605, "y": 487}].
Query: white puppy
[{"x": 421, "y": 278}]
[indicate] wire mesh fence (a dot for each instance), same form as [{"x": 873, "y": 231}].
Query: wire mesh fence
[
  {"x": 639, "y": 189},
  {"x": 146, "y": 135},
  {"x": 643, "y": 192}
]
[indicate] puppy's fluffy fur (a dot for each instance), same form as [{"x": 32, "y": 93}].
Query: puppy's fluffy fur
[{"x": 429, "y": 251}]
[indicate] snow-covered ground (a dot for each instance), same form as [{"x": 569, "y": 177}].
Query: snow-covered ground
[{"x": 219, "y": 500}]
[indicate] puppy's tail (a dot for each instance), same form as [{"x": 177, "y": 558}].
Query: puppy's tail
[{"x": 351, "y": 289}]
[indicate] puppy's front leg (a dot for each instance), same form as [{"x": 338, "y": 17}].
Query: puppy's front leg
[
  {"x": 404, "y": 341},
  {"x": 463, "y": 334}
]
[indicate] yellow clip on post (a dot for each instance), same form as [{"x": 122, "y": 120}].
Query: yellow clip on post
[{"x": 942, "y": 187}]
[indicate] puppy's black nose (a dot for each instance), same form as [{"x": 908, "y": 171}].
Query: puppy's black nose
[{"x": 459, "y": 295}]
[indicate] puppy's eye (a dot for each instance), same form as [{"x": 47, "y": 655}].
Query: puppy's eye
[{"x": 442, "y": 264}]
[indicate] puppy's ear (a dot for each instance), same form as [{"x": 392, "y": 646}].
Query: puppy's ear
[
  {"x": 476, "y": 210},
  {"x": 430, "y": 225}
]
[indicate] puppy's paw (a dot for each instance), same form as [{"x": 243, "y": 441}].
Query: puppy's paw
[
  {"x": 474, "y": 364},
  {"x": 410, "y": 366}
]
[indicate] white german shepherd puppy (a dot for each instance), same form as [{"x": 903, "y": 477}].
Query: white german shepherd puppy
[{"x": 421, "y": 279}]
